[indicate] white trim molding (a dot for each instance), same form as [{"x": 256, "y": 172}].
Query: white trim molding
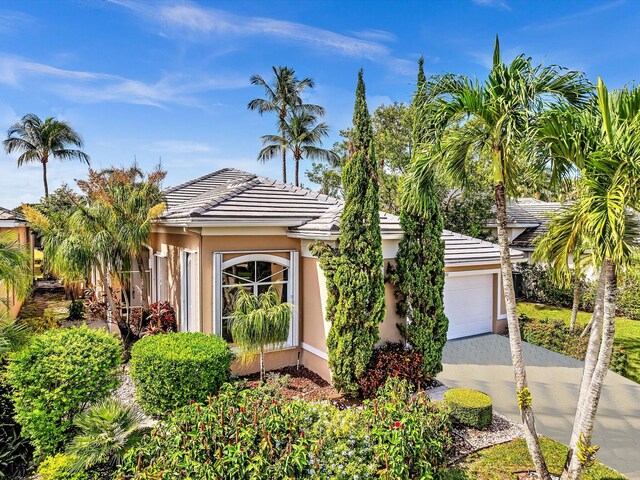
[{"x": 315, "y": 351}]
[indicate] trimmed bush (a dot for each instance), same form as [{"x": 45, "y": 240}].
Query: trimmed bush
[
  {"x": 393, "y": 360},
  {"x": 59, "y": 467},
  {"x": 55, "y": 376},
  {"x": 171, "y": 370},
  {"x": 469, "y": 407},
  {"x": 76, "y": 310},
  {"x": 554, "y": 335}
]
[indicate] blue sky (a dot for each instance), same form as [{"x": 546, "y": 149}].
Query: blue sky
[{"x": 170, "y": 80}]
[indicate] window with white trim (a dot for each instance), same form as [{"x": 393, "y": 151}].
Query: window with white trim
[{"x": 255, "y": 272}]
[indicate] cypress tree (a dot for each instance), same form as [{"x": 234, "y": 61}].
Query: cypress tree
[
  {"x": 418, "y": 276},
  {"x": 354, "y": 269}
]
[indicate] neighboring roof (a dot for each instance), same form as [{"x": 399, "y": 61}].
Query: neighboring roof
[
  {"x": 531, "y": 214},
  {"x": 7, "y": 215},
  {"x": 231, "y": 195}
]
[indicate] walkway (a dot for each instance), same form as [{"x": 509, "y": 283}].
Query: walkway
[{"x": 484, "y": 363}]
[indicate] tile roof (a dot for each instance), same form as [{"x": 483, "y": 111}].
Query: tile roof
[
  {"x": 6, "y": 214},
  {"x": 234, "y": 195},
  {"x": 535, "y": 215},
  {"x": 231, "y": 194}
]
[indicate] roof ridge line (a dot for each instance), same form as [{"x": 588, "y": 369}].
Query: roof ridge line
[{"x": 223, "y": 196}]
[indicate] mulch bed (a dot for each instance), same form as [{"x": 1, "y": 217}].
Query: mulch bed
[{"x": 306, "y": 385}]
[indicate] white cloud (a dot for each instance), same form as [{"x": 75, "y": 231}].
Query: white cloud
[
  {"x": 11, "y": 22},
  {"x": 95, "y": 87},
  {"x": 200, "y": 23},
  {"x": 493, "y": 3},
  {"x": 375, "y": 35},
  {"x": 574, "y": 17},
  {"x": 180, "y": 147}
]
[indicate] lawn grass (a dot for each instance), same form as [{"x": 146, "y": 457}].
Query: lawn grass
[
  {"x": 627, "y": 331},
  {"x": 500, "y": 462}
]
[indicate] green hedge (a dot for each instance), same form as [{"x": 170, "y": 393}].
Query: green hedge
[
  {"x": 59, "y": 467},
  {"x": 173, "y": 369},
  {"x": 470, "y": 407},
  {"x": 554, "y": 335},
  {"x": 55, "y": 376}
]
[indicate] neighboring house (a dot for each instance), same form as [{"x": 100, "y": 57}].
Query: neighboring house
[
  {"x": 527, "y": 219},
  {"x": 232, "y": 229},
  {"x": 15, "y": 223}
]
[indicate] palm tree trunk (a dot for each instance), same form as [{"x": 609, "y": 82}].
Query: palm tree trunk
[
  {"x": 44, "y": 178},
  {"x": 591, "y": 357},
  {"x": 297, "y": 172},
  {"x": 526, "y": 412},
  {"x": 576, "y": 296},
  {"x": 589, "y": 399},
  {"x": 283, "y": 112},
  {"x": 143, "y": 283}
]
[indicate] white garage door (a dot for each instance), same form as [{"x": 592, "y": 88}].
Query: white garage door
[{"x": 468, "y": 303}]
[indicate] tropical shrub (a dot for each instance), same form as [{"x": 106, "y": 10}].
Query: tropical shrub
[
  {"x": 238, "y": 434},
  {"x": 557, "y": 337},
  {"x": 171, "y": 370},
  {"x": 15, "y": 451},
  {"x": 393, "y": 360},
  {"x": 537, "y": 285},
  {"x": 161, "y": 318},
  {"x": 469, "y": 407},
  {"x": 40, "y": 324},
  {"x": 242, "y": 434},
  {"x": 55, "y": 376},
  {"x": 60, "y": 467},
  {"x": 106, "y": 430},
  {"x": 76, "y": 310}
]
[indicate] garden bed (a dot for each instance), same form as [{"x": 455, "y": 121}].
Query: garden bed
[{"x": 302, "y": 383}]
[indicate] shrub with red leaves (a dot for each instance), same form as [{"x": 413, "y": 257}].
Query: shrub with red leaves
[
  {"x": 161, "y": 318},
  {"x": 392, "y": 360}
]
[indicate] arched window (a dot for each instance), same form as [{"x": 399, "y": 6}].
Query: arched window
[{"x": 255, "y": 273}]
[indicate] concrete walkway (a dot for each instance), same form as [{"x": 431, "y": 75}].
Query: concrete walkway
[{"x": 484, "y": 363}]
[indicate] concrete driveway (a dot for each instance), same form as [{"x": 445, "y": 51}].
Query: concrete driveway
[{"x": 484, "y": 363}]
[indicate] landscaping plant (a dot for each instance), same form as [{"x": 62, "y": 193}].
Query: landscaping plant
[
  {"x": 76, "y": 310},
  {"x": 393, "y": 360},
  {"x": 259, "y": 322},
  {"x": 469, "y": 407},
  {"x": 171, "y": 370},
  {"x": 55, "y": 377},
  {"x": 354, "y": 269},
  {"x": 418, "y": 275},
  {"x": 470, "y": 120},
  {"x": 106, "y": 431}
]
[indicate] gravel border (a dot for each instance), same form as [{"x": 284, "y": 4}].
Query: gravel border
[{"x": 126, "y": 394}]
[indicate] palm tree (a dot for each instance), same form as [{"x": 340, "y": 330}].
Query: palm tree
[
  {"x": 495, "y": 117},
  {"x": 282, "y": 96},
  {"x": 259, "y": 322},
  {"x": 15, "y": 265},
  {"x": 39, "y": 141},
  {"x": 107, "y": 430},
  {"x": 302, "y": 136},
  {"x": 609, "y": 136}
]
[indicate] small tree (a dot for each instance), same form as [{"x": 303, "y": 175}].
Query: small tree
[
  {"x": 260, "y": 321},
  {"x": 419, "y": 274},
  {"x": 355, "y": 280}
]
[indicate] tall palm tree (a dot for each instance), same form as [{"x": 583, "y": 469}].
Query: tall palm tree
[
  {"x": 302, "y": 136},
  {"x": 41, "y": 140},
  {"x": 281, "y": 96},
  {"x": 469, "y": 118},
  {"x": 609, "y": 138}
]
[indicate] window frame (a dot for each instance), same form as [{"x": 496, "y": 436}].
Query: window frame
[{"x": 292, "y": 263}]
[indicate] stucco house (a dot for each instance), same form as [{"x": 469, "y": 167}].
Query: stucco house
[
  {"x": 527, "y": 219},
  {"x": 231, "y": 228},
  {"x": 15, "y": 224}
]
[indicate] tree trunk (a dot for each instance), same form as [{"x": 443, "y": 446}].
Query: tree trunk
[
  {"x": 44, "y": 178},
  {"x": 284, "y": 148},
  {"x": 576, "y": 296},
  {"x": 526, "y": 412},
  {"x": 590, "y": 398},
  {"x": 143, "y": 283},
  {"x": 591, "y": 357},
  {"x": 297, "y": 172}
]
